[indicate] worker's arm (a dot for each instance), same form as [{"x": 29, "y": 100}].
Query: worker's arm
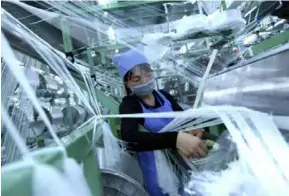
[{"x": 142, "y": 141}]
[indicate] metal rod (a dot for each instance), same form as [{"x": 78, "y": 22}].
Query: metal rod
[{"x": 203, "y": 80}]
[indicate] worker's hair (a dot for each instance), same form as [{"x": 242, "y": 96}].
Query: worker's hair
[{"x": 126, "y": 78}]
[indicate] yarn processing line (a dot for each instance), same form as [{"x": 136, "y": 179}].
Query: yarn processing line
[{"x": 64, "y": 50}]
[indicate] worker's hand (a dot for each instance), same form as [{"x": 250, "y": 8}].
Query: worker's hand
[
  {"x": 191, "y": 146},
  {"x": 197, "y": 132}
]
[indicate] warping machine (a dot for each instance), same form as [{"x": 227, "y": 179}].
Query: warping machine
[{"x": 250, "y": 70}]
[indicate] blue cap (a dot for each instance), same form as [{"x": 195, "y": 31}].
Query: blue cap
[{"x": 128, "y": 60}]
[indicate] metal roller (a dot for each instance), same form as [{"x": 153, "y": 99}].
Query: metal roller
[
  {"x": 41, "y": 81},
  {"x": 123, "y": 179},
  {"x": 51, "y": 83},
  {"x": 74, "y": 115}
]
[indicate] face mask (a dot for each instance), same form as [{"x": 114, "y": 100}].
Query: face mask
[{"x": 144, "y": 89}]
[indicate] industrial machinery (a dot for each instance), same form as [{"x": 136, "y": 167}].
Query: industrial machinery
[
  {"x": 63, "y": 112},
  {"x": 124, "y": 178},
  {"x": 250, "y": 70}
]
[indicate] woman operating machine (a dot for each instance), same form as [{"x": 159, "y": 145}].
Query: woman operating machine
[{"x": 143, "y": 98}]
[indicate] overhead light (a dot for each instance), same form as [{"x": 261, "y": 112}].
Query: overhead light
[{"x": 116, "y": 51}]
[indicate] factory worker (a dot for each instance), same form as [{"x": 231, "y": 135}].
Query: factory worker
[{"x": 143, "y": 98}]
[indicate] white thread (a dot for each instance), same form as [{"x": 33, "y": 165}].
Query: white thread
[
  {"x": 11, "y": 61},
  {"x": 13, "y": 132}
]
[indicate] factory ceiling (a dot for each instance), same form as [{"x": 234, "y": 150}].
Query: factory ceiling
[
  {"x": 125, "y": 15},
  {"x": 130, "y": 14}
]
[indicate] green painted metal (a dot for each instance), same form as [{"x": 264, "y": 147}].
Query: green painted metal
[
  {"x": 223, "y": 5},
  {"x": 67, "y": 42},
  {"x": 113, "y": 108},
  {"x": 105, "y": 100},
  {"x": 102, "y": 59},
  {"x": 108, "y": 103},
  {"x": 92, "y": 174},
  {"x": 18, "y": 177},
  {"x": 272, "y": 42},
  {"x": 79, "y": 138},
  {"x": 52, "y": 158},
  {"x": 40, "y": 141},
  {"x": 78, "y": 146},
  {"x": 217, "y": 130},
  {"x": 114, "y": 125}
]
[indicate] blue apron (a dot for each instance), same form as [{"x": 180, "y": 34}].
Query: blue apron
[{"x": 147, "y": 159}]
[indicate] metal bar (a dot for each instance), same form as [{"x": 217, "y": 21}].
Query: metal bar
[
  {"x": 112, "y": 122},
  {"x": 67, "y": 42},
  {"x": 203, "y": 81},
  {"x": 109, "y": 46},
  {"x": 81, "y": 150},
  {"x": 102, "y": 59},
  {"x": 90, "y": 60}
]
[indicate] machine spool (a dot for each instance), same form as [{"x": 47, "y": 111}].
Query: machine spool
[
  {"x": 74, "y": 115},
  {"x": 41, "y": 81},
  {"x": 123, "y": 179}
]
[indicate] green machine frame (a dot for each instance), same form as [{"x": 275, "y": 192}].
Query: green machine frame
[{"x": 78, "y": 147}]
